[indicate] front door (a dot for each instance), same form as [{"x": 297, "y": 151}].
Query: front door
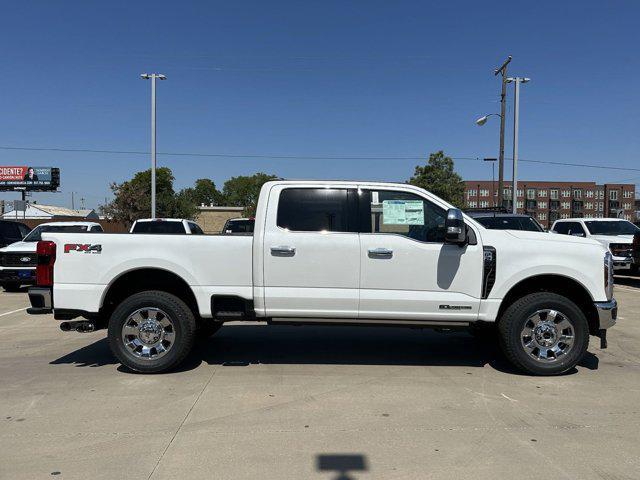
[
  {"x": 407, "y": 271},
  {"x": 312, "y": 253}
]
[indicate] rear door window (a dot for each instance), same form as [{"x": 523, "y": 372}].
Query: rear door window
[{"x": 316, "y": 210}]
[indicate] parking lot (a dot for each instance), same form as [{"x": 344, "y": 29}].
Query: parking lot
[{"x": 291, "y": 402}]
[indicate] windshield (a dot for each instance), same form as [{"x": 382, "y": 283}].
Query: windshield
[
  {"x": 511, "y": 223},
  {"x": 159, "y": 226},
  {"x": 36, "y": 233},
  {"x": 622, "y": 227}
]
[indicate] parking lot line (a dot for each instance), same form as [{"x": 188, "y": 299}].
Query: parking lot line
[{"x": 12, "y": 311}]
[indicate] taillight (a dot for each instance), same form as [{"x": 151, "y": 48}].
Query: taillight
[{"x": 46, "y": 258}]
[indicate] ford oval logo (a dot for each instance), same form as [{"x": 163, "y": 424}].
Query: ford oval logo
[{"x": 25, "y": 259}]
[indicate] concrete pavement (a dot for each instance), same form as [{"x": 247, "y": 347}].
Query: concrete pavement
[{"x": 260, "y": 402}]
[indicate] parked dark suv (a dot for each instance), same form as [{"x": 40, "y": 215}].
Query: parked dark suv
[
  {"x": 500, "y": 220},
  {"x": 12, "y": 232}
]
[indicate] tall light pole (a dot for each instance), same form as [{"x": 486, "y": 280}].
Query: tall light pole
[
  {"x": 516, "y": 120},
  {"x": 153, "y": 76}
]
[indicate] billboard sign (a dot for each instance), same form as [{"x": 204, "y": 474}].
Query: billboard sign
[{"x": 29, "y": 178}]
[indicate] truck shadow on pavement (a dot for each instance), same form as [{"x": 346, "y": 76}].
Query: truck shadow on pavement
[{"x": 238, "y": 345}]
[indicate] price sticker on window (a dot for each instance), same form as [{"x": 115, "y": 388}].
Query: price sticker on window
[{"x": 403, "y": 212}]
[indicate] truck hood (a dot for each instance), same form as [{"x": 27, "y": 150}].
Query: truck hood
[
  {"x": 550, "y": 237},
  {"x": 27, "y": 247},
  {"x": 607, "y": 239}
]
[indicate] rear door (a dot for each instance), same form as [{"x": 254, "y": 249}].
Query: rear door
[
  {"x": 407, "y": 271},
  {"x": 311, "y": 253}
]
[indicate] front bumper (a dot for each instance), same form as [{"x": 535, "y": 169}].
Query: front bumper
[
  {"x": 607, "y": 313},
  {"x": 18, "y": 275},
  {"x": 41, "y": 301}
]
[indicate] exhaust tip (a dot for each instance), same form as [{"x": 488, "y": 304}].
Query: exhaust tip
[{"x": 65, "y": 326}]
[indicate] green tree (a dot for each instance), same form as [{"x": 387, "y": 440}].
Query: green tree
[
  {"x": 439, "y": 177},
  {"x": 243, "y": 191},
  {"x": 203, "y": 192},
  {"x": 133, "y": 198}
]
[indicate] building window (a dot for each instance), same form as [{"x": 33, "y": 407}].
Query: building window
[
  {"x": 577, "y": 194},
  {"x": 588, "y": 206},
  {"x": 484, "y": 192},
  {"x": 531, "y": 193},
  {"x": 472, "y": 193},
  {"x": 542, "y": 204},
  {"x": 566, "y": 193},
  {"x": 542, "y": 216},
  {"x": 601, "y": 194},
  {"x": 484, "y": 204},
  {"x": 519, "y": 204},
  {"x": 473, "y": 204},
  {"x": 589, "y": 194},
  {"x": 627, "y": 194},
  {"x": 566, "y": 205},
  {"x": 564, "y": 215},
  {"x": 506, "y": 192},
  {"x": 520, "y": 193},
  {"x": 613, "y": 195},
  {"x": 627, "y": 206},
  {"x": 553, "y": 194},
  {"x": 542, "y": 193}
]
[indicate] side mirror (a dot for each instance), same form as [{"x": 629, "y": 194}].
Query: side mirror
[{"x": 456, "y": 231}]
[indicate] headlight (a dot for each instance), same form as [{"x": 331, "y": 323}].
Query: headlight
[{"x": 608, "y": 275}]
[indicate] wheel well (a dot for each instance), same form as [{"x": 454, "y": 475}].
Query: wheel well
[
  {"x": 143, "y": 279},
  {"x": 565, "y": 286}
]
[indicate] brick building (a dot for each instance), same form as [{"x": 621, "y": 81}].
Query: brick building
[{"x": 549, "y": 201}]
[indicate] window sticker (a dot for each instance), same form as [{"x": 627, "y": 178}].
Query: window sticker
[{"x": 403, "y": 212}]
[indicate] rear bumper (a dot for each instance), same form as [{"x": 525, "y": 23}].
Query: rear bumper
[
  {"x": 41, "y": 301},
  {"x": 607, "y": 313}
]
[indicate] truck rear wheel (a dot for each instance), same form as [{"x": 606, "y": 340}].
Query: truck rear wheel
[
  {"x": 151, "y": 332},
  {"x": 544, "y": 334}
]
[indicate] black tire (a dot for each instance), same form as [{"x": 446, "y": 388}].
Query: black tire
[
  {"x": 183, "y": 327},
  {"x": 512, "y": 324},
  {"x": 207, "y": 328},
  {"x": 11, "y": 287}
]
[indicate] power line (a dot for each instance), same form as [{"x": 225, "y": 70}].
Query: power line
[{"x": 300, "y": 157}]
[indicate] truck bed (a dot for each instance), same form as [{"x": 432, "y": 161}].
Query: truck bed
[{"x": 207, "y": 263}]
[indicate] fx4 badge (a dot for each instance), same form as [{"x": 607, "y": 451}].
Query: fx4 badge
[{"x": 82, "y": 247}]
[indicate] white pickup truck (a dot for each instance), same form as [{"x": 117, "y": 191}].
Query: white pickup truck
[{"x": 333, "y": 253}]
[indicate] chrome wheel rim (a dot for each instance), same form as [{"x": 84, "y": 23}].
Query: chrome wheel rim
[
  {"x": 547, "y": 336},
  {"x": 148, "y": 333}
]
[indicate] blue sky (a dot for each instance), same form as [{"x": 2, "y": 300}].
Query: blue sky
[{"x": 326, "y": 78}]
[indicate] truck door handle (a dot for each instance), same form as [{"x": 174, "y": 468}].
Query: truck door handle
[
  {"x": 283, "y": 251},
  {"x": 380, "y": 253}
]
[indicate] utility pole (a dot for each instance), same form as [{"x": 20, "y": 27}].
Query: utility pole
[
  {"x": 73, "y": 206},
  {"x": 153, "y": 77},
  {"x": 503, "y": 108}
]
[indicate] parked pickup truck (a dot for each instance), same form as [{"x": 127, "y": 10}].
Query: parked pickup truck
[{"x": 335, "y": 253}]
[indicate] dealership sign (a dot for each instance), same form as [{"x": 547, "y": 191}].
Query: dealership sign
[{"x": 29, "y": 178}]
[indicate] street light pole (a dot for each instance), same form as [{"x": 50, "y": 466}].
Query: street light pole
[
  {"x": 153, "y": 77},
  {"x": 503, "y": 104},
  {"x": 516, "y": 121}
]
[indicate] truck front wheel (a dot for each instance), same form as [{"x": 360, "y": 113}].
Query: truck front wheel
[
  {"x": 151, "y": 332},
  {"x": 544, "y": 334}
]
